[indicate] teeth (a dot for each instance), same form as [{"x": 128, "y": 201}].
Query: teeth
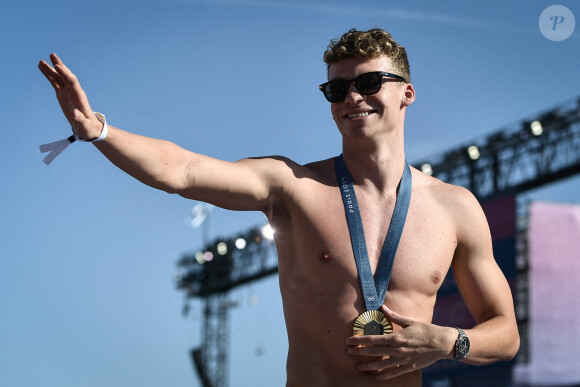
[{"x": 358, "y": 115}]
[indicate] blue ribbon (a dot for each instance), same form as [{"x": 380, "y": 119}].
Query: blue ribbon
[{"x": 374, "y": 291}]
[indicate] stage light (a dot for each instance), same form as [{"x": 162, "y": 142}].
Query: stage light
[
  {"x": 200, "y": 257},
  {"x": 473, "y": 152},
  {"x": 222, "y": 248},
  {"x": 268, "y": 232},
  {"x": 208, "y": 256},
  {"x": 427, "y": 169},
  {"x": 240, "y": 243},
  {"x": 536, "y": 128}
]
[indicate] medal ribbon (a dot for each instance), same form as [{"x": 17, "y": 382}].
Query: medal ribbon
[{"x": 374, "y": 291}]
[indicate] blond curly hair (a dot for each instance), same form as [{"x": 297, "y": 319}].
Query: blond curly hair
[{"x": 369, "y": 44}]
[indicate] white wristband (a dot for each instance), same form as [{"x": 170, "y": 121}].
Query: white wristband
[
  {"x": 57, "y": 147},
  {"x": 101, "y": 117}
]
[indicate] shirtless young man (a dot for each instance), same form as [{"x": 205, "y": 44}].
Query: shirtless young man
[{"x": 320, "y": 286}]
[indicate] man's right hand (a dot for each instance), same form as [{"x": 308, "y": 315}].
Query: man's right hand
[{"x": 72, "y": 99}]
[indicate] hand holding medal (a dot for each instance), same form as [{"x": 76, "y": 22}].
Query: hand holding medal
[{"x": 416, "y": 345}]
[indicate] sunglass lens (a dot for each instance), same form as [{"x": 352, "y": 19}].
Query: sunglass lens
[
  {"x": 336, "y": 91},
  {"x": 369, "y": 83}
]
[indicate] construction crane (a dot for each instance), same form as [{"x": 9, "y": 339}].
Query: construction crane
[{"x": 539, "y": 150}]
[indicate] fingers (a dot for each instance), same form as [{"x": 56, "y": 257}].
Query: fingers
[
  {"x": 70, "y": 94},
  {"x": 379, "y": 365},
  {"x": 369, "y": 340},
  {"x": 396, "y": 318},
  {"x": 389, "y": 368},
  {"x": 396, "y": 371},
  {"x": 54, "y": 58},
  {"x": 58, "y": 74},
  {"x": 50, "y": 74},
  {"x": 374, "y": 351},
  {"x": 68, "y": 77}
]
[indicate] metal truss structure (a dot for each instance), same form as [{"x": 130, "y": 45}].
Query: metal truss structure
[
  {"x": 210, "y": 274},
  {"x": 527, "y": 155}
]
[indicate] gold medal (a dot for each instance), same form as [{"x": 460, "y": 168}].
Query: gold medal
[{"x": 372, "y": 322}]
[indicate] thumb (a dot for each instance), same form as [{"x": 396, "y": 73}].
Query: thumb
[
  {"x": 84, "y": 126},
  {"x": 396, "y": 318},
  {"x": 78, "y": 116}
]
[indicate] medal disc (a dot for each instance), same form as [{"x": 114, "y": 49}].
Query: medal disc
[{"x": 372, "y": 322}]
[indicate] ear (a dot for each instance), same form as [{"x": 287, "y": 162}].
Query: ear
[{"x": 408, "y": 95}]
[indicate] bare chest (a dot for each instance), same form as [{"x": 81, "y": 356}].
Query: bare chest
[{"x": 317, "y": 240}]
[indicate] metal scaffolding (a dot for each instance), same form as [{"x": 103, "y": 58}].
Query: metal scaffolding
[
  {"x": 210, "y": 274},
  {"x": 520, "y": 157}
]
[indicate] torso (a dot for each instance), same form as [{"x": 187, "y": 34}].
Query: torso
[{"x": 319, "y": 282}]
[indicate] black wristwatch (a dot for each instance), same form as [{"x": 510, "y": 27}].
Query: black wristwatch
[{"x": 461, "y": 345}]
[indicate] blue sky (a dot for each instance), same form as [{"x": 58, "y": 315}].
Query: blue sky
[{"x": 87, "y": 254}]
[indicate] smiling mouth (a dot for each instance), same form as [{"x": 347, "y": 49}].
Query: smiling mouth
[{"x": 355, "y": 115}]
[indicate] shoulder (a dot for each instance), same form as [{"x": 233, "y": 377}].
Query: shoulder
[
  {"x": 451, "y": 196},
  {"x": 458, "y": 203},
  {"x": 291, "y": 186},
  {"x": 283, "y": 168},
  {"x": 286, "y": 181}
]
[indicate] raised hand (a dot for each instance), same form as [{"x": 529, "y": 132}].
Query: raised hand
[
  {"x": 72, "y": 99},
  {"x": 416, "y": 346}
]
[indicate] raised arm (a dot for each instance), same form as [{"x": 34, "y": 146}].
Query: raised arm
[{"x": 242, "y": 185}]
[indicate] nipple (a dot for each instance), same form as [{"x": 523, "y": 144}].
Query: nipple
[{"x": 436, "y": 276}]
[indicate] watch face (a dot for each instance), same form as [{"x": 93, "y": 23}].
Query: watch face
[{"x": 462, "y": 347}]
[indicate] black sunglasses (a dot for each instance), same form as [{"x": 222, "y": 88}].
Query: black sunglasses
[{"x": 366, "y": 84}]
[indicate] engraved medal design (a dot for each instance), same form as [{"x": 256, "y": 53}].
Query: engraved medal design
[
  {"x": 374, "y": 288},
  {"x": 372, "y": 322}
]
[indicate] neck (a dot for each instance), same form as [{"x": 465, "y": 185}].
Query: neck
[{"x": 373, "y": 165}]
